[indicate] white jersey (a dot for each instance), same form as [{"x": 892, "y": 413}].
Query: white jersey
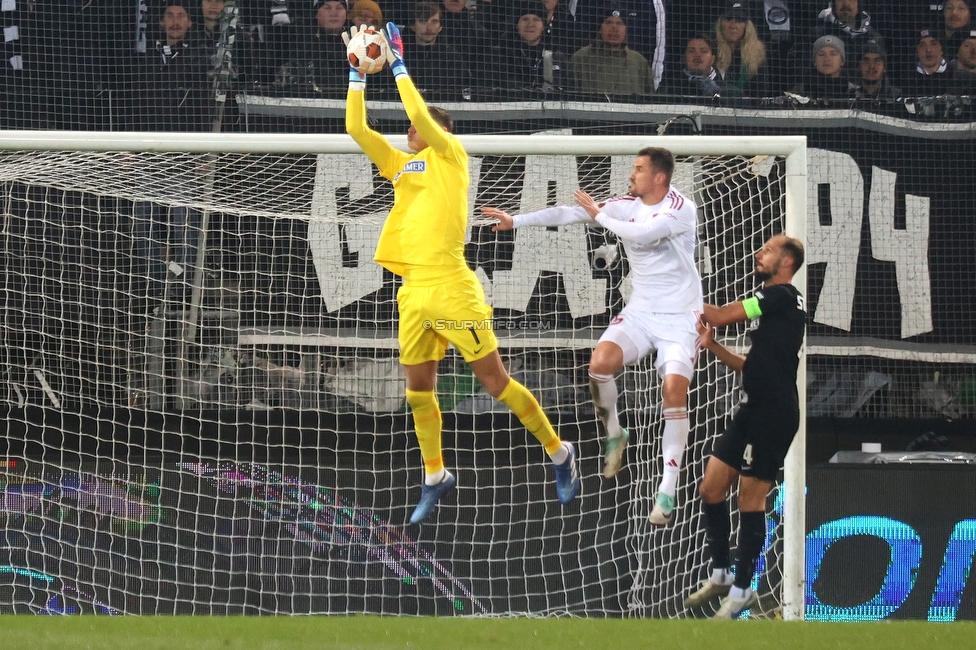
[{"x": 659, "y": 241}]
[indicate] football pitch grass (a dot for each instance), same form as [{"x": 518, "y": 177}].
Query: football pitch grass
[{"x": 375, "y": 632}]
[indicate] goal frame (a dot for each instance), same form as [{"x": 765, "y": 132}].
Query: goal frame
[{"x": 792, "y": 148}]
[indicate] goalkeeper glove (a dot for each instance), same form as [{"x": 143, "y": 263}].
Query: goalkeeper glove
[
  {"x": 394, "y": 51},
  {"x": 279, "y": 12},
  {"x": 357, "y": 80}
]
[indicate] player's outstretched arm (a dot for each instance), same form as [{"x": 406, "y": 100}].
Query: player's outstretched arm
[
  {"x": 706, "y": 332},
  {"x": 379, "y": 150},
  {"x": 556, "y": 216},
  {"x": 433, "y": 133},
  {"x": 659, "y": 228},
  {"x": 733, "y": 312},
  {"x": 610, "y": 216}
]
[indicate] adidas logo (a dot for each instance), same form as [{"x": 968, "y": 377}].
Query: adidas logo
[
  {"x": 574, "y": 471},
  {"x": 672, "y": 463}
]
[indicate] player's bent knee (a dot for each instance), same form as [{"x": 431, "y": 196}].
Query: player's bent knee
[
  {"x": 718, "y": 480},
  {"x": 600, "y": 366},
  {"x": 606, "y": 359},
  {"x": 496, "y": 385},
  {"x": 675, "y": 389}
]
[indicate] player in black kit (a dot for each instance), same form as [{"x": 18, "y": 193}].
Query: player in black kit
[{"x": 755, "y": 444}]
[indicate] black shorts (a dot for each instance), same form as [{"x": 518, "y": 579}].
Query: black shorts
[{"x": 756, "y": 442}]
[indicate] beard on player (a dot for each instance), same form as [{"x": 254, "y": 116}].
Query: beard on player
[{"x": 766, "y": 272}]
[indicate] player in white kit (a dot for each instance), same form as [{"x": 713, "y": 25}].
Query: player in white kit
[{"x": 658, "y": 227}]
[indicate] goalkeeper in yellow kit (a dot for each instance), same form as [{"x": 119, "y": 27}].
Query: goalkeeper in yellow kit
[{"x": 441, "y": 301}]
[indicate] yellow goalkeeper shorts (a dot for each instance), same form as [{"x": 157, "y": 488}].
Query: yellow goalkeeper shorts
[{"x": 435, "y": 315}]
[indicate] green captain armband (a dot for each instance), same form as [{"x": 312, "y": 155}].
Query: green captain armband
[{"x": 751, "y": 306}]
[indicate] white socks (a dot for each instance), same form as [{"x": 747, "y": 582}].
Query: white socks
[
  {"x": 436, "y": 477},
  {"x": 604, "y": 391},
  {"x": 675, "y": 438}
]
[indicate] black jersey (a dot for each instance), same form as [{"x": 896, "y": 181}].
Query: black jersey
[{"x": 776, "y": 331}]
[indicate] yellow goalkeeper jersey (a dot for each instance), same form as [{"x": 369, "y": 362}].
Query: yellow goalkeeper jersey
[{"x": 423, "y": 236}]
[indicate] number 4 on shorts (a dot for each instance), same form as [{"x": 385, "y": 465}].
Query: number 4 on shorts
[{"x": 747, "y": 456}]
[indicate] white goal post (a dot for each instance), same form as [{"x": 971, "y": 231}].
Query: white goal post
[{"x": 791, "y": 214}]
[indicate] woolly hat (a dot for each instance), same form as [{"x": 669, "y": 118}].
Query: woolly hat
[
  {"x": 163, "y": 5},
  {"x": 533, "y": 7},
  {"x": 615, "y": 13},
  {"x": 830, "y": 41},
  {"x": 874, "y": 47}
]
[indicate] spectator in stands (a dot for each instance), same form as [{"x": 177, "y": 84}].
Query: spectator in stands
[
  {"x": 366, "y": 12},
  {"x": 931, "y": 69},
  {"x": 330, "y": 18},
  {"x": 765, "y": 15},
  {"x": 318, "y": 60},
  {"x": 644, "y": 20},
  {"x": 698, "y": 77},
  {"x": 210, "y": 11},
  {"x": 526, "y": 61},
  {"x": 562, "y": 31},
  {"x": 827, "y": 80},
  {"x": 437, "y": 68},
  {"x": 956, "y": 25},
  {"x": 609, "y": 66},
  {"x": 964, "y": 67},
  {"x": 174, "y": 92},
  {"x": 175, "y": 97},
  {"x": 846, "y": 20},
  {"x": 873, "y": 83},
  {"x": 740, "y": 55}
]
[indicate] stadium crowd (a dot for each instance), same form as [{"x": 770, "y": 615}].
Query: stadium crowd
[{"x": 158, "y": 64}]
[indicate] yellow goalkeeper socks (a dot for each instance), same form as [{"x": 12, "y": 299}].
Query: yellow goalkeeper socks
[
  {"x": 427, "y": 422},
  {"x": 527, "y": 409}
]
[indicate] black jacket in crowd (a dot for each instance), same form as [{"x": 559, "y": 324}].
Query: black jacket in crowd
[{"x": 175, "y": 91}]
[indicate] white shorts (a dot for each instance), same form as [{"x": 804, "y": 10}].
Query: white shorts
[{"x": 674, "y": 336}]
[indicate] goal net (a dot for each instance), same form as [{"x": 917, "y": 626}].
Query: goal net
[{"x": 205, "y": 413}]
